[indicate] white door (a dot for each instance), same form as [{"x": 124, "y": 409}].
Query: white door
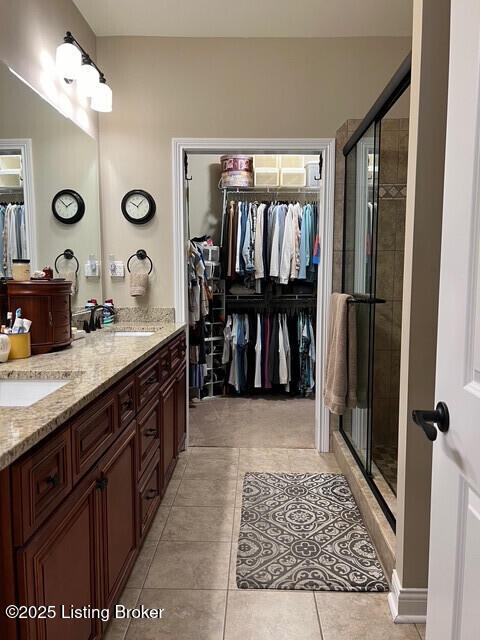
[{"x": 454, "y": 578}]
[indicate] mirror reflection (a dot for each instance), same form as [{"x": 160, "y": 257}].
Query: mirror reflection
[{"x": 49, "y": 191}]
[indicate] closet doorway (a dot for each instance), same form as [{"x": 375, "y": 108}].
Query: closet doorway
[{"x": 269, "y": 415}]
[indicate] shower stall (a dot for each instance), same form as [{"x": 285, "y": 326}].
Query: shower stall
[{"x": 372, "y": 272}]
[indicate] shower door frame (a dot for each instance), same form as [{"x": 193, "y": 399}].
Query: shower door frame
[
  {"x": 184, "y": 146},
  {"x": 392, "y": 92}
]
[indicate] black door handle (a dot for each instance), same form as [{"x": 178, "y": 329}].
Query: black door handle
[{"x": 430, "y": 420}]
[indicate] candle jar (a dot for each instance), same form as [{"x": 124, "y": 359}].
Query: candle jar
[{"x": 21, "y": 270}]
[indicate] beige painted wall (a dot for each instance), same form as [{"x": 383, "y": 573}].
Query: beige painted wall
[
  {"x": 169, "y": 87},
  {"x": 205, "y": 209},
  {"x": 423, "y": 225},
  {"x": 30, "y": 31},
  {"x": 64, "y": 156}
]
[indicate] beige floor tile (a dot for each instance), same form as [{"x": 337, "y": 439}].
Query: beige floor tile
[
  {"x": 205, "y": 493},
  {"x": 310, "y": 461},
  {"x": 189, "y": 565},
  {"x": 356, "y": 616},
  {"x": 199, "y": 524},
  {"x": 188, "y": 615},
  {"x": 253, "y": 422},
  {"x": 271, "y": 615},
  {"x": 263, "y": 460},
  {"x": 232, "y": 581},
  {"x": 118, "y": 626},
  {"x": 214, "y": 453},
  {"x": 422, "y": 630},
  {"x": 142, "y": 563},
  {"x": 158, "y": 523},
  {"x": 171, "y": 492},
  {"x": 205, "y": 468}
]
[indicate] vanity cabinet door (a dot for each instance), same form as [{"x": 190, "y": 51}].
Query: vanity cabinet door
[
  {"x": 180, "y": 410},
  {"x": 117, "y": 508},
  {"x": 59, "y": 566},
  {"x": 167, "y": 399},
  {"x": 149, "y": 493},
  {"x": 38, "y": 309},
  {"x": 93, "y": 431},
  {"x": 41, "y": 480}
]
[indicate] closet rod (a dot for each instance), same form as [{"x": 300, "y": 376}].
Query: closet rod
[{"x": 276, "y": 190}]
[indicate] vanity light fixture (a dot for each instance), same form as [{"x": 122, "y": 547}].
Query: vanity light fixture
[{"x": 74, "y": 63}]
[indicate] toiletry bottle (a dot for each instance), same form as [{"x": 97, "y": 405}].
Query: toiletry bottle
[{"x": 107, "y": 314}]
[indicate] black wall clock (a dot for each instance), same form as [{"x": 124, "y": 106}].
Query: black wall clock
[
  {"x": 138, "y": 206},
  {"x": 68, "y": 206}
]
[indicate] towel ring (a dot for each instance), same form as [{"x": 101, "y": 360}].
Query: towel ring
[
  {"x": 140, "y": 254},
  {"x": 68, "y": 255}
]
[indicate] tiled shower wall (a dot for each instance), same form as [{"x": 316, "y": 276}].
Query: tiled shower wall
[
  {"x": 391, "y": 232},
  {"x": 390, "y": 248}
]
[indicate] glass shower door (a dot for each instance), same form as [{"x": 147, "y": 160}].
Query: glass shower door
[{"x": 361, "y": 178}]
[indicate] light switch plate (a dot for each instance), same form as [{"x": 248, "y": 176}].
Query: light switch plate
[
  {"x": 117, "y": 269},
  {"x": 92, "y": 269}
]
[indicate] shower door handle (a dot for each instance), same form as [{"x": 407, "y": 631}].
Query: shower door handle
[{"x": 431, "y": 420}]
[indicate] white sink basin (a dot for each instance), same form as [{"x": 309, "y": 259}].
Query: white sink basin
[
  {"x": 24, "y": 393},
  {"x": 132, "y": 334}
]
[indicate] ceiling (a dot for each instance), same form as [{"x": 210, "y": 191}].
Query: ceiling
[{"x": 248, "y": 18}]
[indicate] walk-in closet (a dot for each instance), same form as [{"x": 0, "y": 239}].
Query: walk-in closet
[{"x": 255, "y": 254}]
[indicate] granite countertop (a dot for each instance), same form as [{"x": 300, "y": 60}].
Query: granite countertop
[{"x": 92, "y": 364}]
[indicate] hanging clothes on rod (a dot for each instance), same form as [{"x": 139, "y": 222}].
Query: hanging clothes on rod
[
  {"x": 13, "y": 234},
  {"x": 271, "y": 351},
  {"x": 198, "y": 308},
  {"x": 276, "y": 241}
]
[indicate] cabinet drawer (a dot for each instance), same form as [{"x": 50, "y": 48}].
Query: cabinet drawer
[
  {"x": 92, "y": 433},
  {"x": 148, "y": 381},
  {"x": 165, "y": 365},
  {"x": 148, "y": 430},
  {"x": 40, "y": 482},
  {"x": 177, "y": 352},
  {"x": 61, "y": 334},
  {"x": 126, "y": 402},
  {"x": 61, "y": 303},
  {"x": 149, "y": 493}
]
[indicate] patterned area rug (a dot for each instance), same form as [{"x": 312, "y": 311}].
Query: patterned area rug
[{"x": 304, "y": 531}]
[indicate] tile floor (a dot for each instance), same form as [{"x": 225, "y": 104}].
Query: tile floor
[
  {"x": 270, "y": 421},
  {"x": 187, "y": 564}
]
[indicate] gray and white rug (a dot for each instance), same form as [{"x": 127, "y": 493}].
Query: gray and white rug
[{"x": 304, "y": 531}]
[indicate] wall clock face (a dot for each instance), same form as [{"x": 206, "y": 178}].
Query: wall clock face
[
  {"x": 68, "y": 206},
  {"x": 138, "y": 206}
]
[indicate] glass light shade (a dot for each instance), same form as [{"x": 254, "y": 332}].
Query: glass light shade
[
  {"x": 68, "y": 60},
  {"x": 102, "y": 98},
  {"x": 87, "y": 80}
]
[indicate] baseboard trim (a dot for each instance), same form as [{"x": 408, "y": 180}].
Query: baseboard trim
[{"x": 407, "y": 606}]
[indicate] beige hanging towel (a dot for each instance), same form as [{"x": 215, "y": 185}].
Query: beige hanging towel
[
  {"x": 71, "y": 276},
  {"x": 138, "y": 284},
  {"x": 341, "y": 371}
]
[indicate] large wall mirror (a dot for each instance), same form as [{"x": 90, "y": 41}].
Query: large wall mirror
[{"x": 41, "y": 154}]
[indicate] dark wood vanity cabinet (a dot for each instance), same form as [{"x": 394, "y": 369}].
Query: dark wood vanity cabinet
[
  {"x": 48, "y": 305},
  {"x": 85, "y": 497}
]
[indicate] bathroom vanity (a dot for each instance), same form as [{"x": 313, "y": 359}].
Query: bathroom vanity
[{"x": 79, "y": 490}]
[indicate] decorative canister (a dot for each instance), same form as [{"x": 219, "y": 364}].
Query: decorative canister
[
  {"x": 21, "y": 270},
  {"x": 237, "y": 171},
  {"x": 20, "y": 345},
  {"x": 4, "y": 347}
]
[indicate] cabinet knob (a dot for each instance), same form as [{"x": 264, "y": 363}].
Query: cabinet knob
[
  {"x": 53, "y": 480},
  {"x": 102, "y": 483},
  {"x": 127, "y": 405},
  {"x": 152, "y": 379},
  {"x": 151, "y": 432},
  {"x": 151, "y": 494}
]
